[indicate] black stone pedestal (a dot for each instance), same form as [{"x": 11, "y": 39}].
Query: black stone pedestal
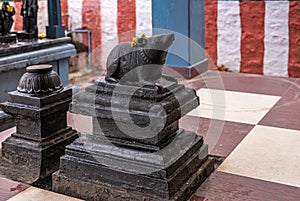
[
  {"x": 105, "y": 191},
  {"x": 136, "y": 150},
  {"x": 24, "y": 36},
  {"x": 107, "y": 172},
  {"x": 11, "y": 38},
  {"x": 31, "y": 162},
  {"x": 39, "y": 107}
]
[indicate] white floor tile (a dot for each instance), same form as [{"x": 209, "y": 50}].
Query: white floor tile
[
  {"x": 267, "y": 153},
  {"x": 233, "y": 106},
  {"x": 36, "y": 194}
]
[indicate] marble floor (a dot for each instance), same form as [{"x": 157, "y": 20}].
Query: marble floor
[
  {"x": 38, "y": 194},
  {"x": 252, "y": 126}
]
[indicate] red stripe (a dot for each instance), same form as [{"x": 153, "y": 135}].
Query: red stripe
[
  {"x": 211, "y": 31},
  {"x": 17, "y": 16},
  {"x": 65, "y": 13},
  {"x": 252, "y": 42},
  {"x": 294, "y": 39},
  {"x": 91, "y": 20},
  {"x": 126, "y": 20}
]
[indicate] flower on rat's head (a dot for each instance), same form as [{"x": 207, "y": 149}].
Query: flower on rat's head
[{"x": 133, "y": 42}]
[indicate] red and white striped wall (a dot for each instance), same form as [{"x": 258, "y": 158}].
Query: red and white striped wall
[{"x": 260, "y": 37}]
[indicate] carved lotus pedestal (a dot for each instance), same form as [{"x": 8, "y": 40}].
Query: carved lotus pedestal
[
  {"x": 39, "y": 107},
  {"x": 136, "y": 150}
]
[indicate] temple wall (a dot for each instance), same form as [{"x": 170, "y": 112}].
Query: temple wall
[{"x": 261, "y": 37}]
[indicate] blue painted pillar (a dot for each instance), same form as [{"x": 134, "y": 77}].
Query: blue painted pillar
[
  {"x": 186, "y": 18},
  {"x": 55, "y": 28}
]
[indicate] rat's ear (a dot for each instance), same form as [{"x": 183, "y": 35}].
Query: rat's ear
[{"x": 142, "y": 42}]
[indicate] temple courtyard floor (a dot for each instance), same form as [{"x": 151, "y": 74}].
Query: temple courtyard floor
[{"x": 252, "y": 126}]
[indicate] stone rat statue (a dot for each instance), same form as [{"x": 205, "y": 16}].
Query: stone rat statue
[
  {"x": 6, "y": 18},
  {"x": 140, "y": 61}
]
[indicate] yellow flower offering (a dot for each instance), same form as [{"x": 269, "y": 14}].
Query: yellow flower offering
[
  {"x": 9, "y": 9},
  {"x": 133, "y": 42},
  {"x": 42, "y": 35}
]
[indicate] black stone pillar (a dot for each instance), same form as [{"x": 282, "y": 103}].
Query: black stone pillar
[
  {"x": 55, "y": 28},
  {"x": 40, "y": 107}
]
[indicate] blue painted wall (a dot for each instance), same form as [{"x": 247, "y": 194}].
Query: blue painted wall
[{"x": 185, "y": 17}]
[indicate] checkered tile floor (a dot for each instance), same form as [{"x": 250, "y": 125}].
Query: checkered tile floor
[{"x": 251, "y": 121}]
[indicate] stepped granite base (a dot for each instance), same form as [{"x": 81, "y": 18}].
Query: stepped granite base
[{"x": 136, "y": 150}]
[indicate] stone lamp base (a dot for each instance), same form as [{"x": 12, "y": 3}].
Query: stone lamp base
[{"x": 39, "y": 108}]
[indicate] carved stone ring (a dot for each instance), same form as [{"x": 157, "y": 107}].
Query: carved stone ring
[{"x": 40, "y": 79}]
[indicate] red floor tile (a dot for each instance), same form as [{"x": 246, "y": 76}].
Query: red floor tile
[
  {"x": 267, "y": 85},
  {"x": 10, "y": 188},
  {"x": 222, "y": 186},
  {"x": 221, "y": 136},
  {"x": 286, "y": 113}
]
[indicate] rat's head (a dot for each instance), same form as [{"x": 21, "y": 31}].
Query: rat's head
[
  {"x": 156, "y": 47},
  {"x": 157, "y": 42}
]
